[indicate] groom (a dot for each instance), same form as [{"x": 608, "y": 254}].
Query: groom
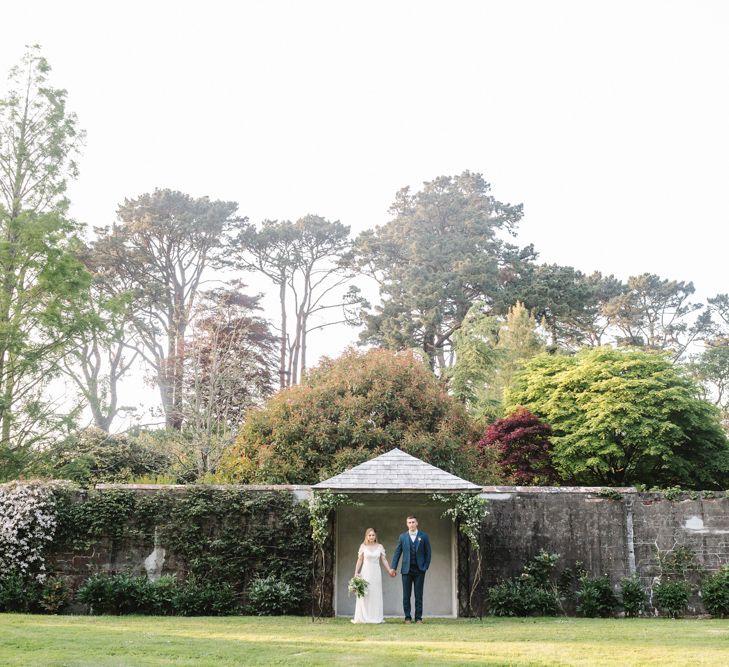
[{"x": 414, "y": 546}]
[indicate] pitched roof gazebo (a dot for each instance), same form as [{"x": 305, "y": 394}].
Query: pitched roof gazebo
[
  {"x": 397, "y": 472},
  {"x": 388, "y": 488}
]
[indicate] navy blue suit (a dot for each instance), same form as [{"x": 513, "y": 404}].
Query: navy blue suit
[{"x": 415, "y": 563}]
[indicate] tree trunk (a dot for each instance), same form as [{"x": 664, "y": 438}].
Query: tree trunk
[
  {"x": 179, "y": 375},
  {"x": 283, "y": 380},
  {"x": 303, "y": 347}
]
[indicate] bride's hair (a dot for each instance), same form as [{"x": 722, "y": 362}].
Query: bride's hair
[{"x": 364, "y": 541}]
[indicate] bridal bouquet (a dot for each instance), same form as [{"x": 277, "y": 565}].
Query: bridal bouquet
[{"x": 358, "y": 586}]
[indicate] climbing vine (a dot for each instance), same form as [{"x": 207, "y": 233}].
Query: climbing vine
[
  {"x": 28, "y": 521},
  {"x": 467, "y": 511},
  {"x": 321, "y": 506}
]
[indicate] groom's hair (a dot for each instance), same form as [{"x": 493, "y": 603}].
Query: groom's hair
[{"x": 412, "y": 516}]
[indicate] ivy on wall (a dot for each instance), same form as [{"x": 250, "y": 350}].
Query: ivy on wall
[{"x": 227, "y": 536}]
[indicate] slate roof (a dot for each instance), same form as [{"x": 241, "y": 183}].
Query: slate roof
[{"x": 396, "y": 471}]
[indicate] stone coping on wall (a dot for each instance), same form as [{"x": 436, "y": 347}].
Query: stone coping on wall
[
  {"x": 306, "y": 488},
  {"x": 218, "y": 487},
  {"x": 557, "y": 489}
]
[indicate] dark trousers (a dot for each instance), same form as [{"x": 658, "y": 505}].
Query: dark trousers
[{"x": 415, "y": 578}]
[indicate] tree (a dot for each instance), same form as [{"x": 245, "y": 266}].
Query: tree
[
  {"x": 711, "y": 367},
  {"x": 160, "y": 250},
  {"x": 519, "y": 342},
  {"x": 568, "y": 303},
  {"x": 489, "y": 351},
  {"x": 230, "y": 363},
  {"x": 477, "y": 360},
  {"x": 101, "y": 355},
  {"x": 522, "y": 447},
  {"x": 307, "y": 260},
  {"x": 440, "y": 252},
  {"x": 719, "y": 306},
  {"x": 42, "y": 284},
  {"x": 655, "y": 313},
  {"x": 92, "y": 456},
  {"x": 346, "y": 411},
  {"x": 624, "y": 417}
]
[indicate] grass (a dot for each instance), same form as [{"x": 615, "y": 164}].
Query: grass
[{"x": 76, "y": 641}]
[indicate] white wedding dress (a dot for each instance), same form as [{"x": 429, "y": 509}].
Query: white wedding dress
[{"x": 369, "y": 608}]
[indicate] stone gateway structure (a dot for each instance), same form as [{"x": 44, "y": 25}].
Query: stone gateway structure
[{"x": 388, "y": 488}]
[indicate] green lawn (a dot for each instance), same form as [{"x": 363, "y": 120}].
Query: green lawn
[{"x": 87, "y": 640}]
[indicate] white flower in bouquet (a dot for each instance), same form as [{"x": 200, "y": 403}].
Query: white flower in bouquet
[{"x": 358, "y": 586}]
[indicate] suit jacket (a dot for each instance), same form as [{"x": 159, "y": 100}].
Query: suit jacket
[{"x": 422, "y": 552}]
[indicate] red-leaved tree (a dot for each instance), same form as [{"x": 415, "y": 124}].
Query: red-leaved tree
[{"x": 522, "y": 448}]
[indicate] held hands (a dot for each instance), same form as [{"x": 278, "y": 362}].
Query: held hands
[{"x": 392, "y": 572}]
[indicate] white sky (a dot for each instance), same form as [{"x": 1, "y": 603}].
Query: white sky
[{"x": 609, "y": 121}]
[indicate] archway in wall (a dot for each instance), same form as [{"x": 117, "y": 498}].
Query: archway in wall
[
  {"x": 388, "y": 488},
  {"x": 386, "y": 514}
]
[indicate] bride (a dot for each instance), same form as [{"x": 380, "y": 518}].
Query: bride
[{"x": 371, "y": 553}]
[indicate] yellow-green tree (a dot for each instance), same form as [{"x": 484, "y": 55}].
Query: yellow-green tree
[
  {"x": 489, "y": 352},
  {"x": 42, "y": 284},
  {"x": 624, "y": 417}
]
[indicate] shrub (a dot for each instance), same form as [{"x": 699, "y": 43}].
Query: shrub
[
  {"x": 28, "y": 521},
  {"x": 96, "y": 591},
  {"x": 530, "y": 594},
  {"x": 270, "y": 596},
  {"x": 164, "y": 597},
  {"x": 202, "y": 598},
  {"x": 541, "y": 567},
  {"x": 117, "y": 594},
  {"x": 715, "y": 592},
  {"x": 125, "y": 594},
  {"x": 521, "y": 598},
  {"x": 596, "y": 597},
  {"x": 54, "y": 595},
  {"x": 20, "y": 594},
  {"x": 671, "y": 597},
  {"x": 91, "y": 455},
  {"x": 632, "y": 595},
  {"x": 17, "y": 594}
]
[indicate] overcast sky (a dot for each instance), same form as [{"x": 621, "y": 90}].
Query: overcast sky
[{"x": 609, "y": 121}]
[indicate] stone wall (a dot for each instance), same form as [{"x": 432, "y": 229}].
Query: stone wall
[
  {"x": 216, "y": 534},
  {"x": 617, "y": 536}
]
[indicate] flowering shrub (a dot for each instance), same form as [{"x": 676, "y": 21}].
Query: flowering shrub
[{"x": 28, "y": 523}]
